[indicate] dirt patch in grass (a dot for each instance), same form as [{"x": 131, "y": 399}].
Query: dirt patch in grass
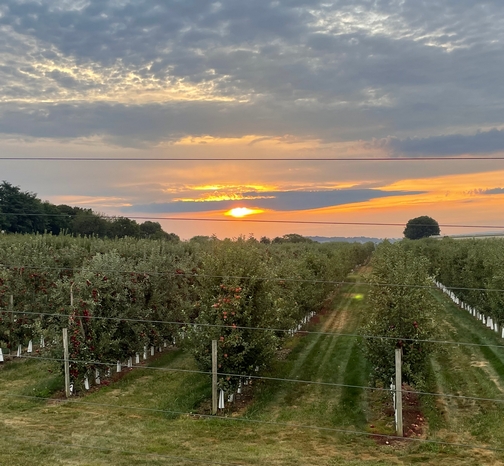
[{"x": 414, "y": 422}]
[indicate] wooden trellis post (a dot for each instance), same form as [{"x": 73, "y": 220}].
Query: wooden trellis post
[
  {"x": 215, "y": 398},
  {"x": 66, "y": 362},
  {"x": 398, "y": 392}
]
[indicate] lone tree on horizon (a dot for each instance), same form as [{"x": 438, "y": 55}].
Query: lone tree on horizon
[{"x": 421, "y": 227}]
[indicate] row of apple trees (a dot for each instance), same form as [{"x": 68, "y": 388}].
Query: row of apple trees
[
  {"x": 402, "y": 314},
  {"x": 473, "y": 267},
  {"x": 117, "y": 297}
]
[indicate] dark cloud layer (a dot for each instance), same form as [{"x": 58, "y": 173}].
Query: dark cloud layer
[
  {"x": 337, "y": 70},
  {"x": 493, "y": 191},
  {"x": 278, "y": 201},
  {"x": 483, "y": 142}
]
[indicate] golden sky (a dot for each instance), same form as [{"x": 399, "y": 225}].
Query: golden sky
[{"x": 210, "y": 82}]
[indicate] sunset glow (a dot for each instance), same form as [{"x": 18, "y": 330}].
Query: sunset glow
[
  {"x": 239, "y": 212},
  {"x": 214, "y": 119}
]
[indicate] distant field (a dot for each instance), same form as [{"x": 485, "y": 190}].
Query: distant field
[{"x": 145, "y": 417}]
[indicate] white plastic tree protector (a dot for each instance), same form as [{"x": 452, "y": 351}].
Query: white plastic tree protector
[{"x": 221, "y": 399}]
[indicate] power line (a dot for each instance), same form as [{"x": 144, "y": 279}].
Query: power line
[
  {"x": 285, "y": 424},
  {"x": 252, "y": 159},
  {"x": 241, "y": 327},
  {"x": 244, "y": 277},
  {"x": 271, "y": 379},
  {"x": 300, "y": 222}
]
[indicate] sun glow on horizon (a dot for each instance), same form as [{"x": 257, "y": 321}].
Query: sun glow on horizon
[{"x": 239, "y": 212}]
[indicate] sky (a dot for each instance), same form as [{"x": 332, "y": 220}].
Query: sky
[{"x": 289, "y": 82}]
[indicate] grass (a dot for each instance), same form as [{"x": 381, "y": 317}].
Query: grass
[{"x": 128, "y": 423}]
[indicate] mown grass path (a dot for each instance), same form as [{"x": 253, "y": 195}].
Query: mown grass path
[
  {"x": 471, "y": 371},
  {"x": 322, "y": 357}
]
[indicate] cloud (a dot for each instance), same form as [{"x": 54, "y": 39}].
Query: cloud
[
  {"x": 277, "y": 201},
  {"x": 332, "y": 70},
  {"x": 493, "y": 191},
  {"x": 483, "y": 142}
]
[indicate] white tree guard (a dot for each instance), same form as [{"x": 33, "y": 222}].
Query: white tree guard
[{"x": 221, "y": 399}]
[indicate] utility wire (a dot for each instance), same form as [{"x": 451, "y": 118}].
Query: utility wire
[
  {"x": 242, "y": 327},
  {"x": 272, "y": 379},
  {"x": 242, "y": 277},
  {"x": 302, "y": 222},
  {"x": 294, "y": 426},
  {"x": 251, "y": 159}
]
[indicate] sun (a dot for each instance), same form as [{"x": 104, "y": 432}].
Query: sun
[{"x": 239, "y": 212}]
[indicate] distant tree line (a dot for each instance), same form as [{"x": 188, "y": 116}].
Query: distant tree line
[
  {"x": 289, "y": 238},
  {"x": 24, "y": 212}
]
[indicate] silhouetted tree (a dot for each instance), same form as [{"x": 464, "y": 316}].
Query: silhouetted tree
[{"x": 421, "y": 227}]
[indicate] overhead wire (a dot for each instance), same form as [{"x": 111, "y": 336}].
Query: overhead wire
[
  {"x": 109, "y": 365},
  {"x": 242, "y": 220},
  {"x": 269, "y": 329},
  {"x": 290, "y": 426},
  {"x": 253, "y": 159},
  {"x": 241, "y": 277}
]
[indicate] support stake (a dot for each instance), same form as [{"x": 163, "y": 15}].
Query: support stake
[
  {"x": 66, "y": 362},
  {"x": 398, "y": 388},
  {"x": 215, "y": 398}
]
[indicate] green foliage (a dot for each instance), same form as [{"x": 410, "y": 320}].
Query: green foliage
[
  {"x": 472, "y": 266},
  {"x": 292, "y": 238},
  {"x": 402, "y": 311},
  {"x": 235, "y": 292},
  {"x": 23, "y": 212},
  {"x": 118, "y": 296},
  {"x": 421, "y": 227}
]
